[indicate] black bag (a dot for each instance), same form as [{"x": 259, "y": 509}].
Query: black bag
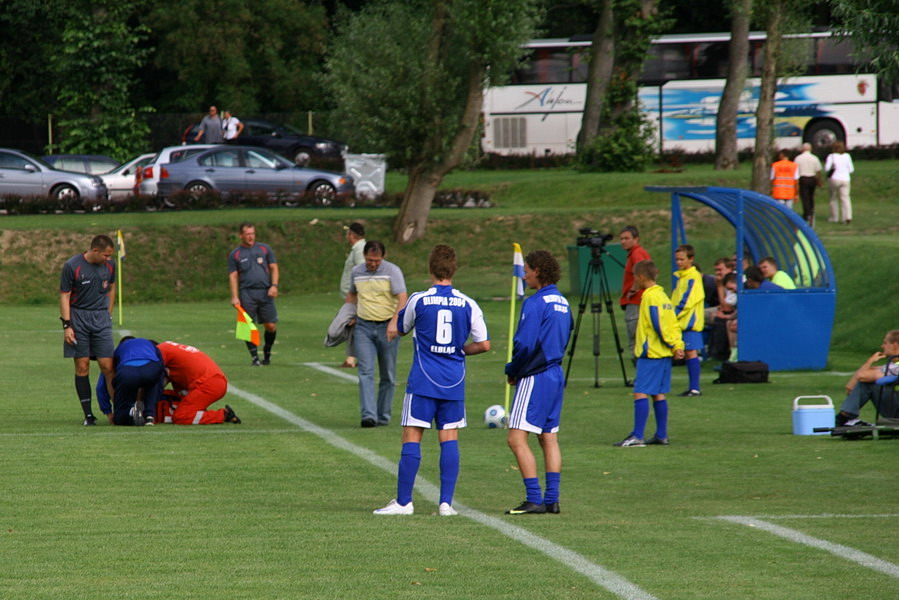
[
  {"x": 743, "y": 371},
  {"x": 830, "y": 172}
]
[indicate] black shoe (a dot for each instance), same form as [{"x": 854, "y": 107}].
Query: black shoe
[
  {"x": 527, "y": 508},
  {"x": 255, "y": 363},
  {"x": 657, "y": 441},
  {"x": 90, "y": 420},
  {"x": 369, "y": 423},
  {"x": 552, "y": 508},
  {"x": 230, "y": 417},
  {"x": 137, "y": 414},
  {"x": 690, "y": 394},
  {"x": 266, "y": 361}
]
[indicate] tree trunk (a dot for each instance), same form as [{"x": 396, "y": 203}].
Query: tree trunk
[
  {"x": 602, "y": 57},
  {"x": 726, "y": 130},
  {"x": 628, "y": 68},
  {"x": 425, "y": 177},
  {"x": 764, "y": 116}
]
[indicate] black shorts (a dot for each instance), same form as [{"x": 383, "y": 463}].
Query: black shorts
[{"x": 259, "y": 305}]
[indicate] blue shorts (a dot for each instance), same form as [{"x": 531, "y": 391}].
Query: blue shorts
[
  {"x": 692, "y": 340},
  {"x": 420, "y": 411},
  {"x": 537, "y": 407},
  {"x": 653, "y": 376}
]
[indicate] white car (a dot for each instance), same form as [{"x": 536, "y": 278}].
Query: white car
[
  {"x": 122, "y": 180},
  {"x": 148, "y": 180}
]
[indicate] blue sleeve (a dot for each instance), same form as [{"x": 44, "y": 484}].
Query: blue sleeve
[
  {"x": 683, "y": 301},
  {"x": 524, "y": 344},
  {"x": 103, "y": 395}
]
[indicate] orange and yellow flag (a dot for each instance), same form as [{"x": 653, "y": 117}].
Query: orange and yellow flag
[{"x": 246, "y": 330}]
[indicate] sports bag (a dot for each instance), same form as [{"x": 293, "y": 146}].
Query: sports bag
[{"x": 743, "y": 371}]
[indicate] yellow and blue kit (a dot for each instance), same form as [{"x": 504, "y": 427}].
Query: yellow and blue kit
[
  {"x": 658, "y": 331},
  {"x": 688, "y": 299}
]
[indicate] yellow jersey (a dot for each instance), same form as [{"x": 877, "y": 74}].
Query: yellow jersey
[{"x": 658, "y": 332}]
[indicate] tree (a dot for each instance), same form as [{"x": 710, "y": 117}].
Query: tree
[
  {"x": 874, "y": 27},
  {"x": 95, "y": 69},
  {"x": 246, "y": 55},
  {"x": 615, "y": 136},
  {"x": 738, "y": 63},
  {"x": 409, "y": 77}
]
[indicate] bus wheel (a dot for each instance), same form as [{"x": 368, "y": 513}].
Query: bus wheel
[{"x": 822, "y": 134}]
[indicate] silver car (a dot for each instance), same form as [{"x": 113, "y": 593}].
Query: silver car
[
  {"x": 122, "y": 180},
  {"x": 24, "y": 175},
  {"x": 238, "y": 169},
  {"x": 149, "y": 175}
]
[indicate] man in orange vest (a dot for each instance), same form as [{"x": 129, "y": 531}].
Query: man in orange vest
[{"x": 784, "y": 180}]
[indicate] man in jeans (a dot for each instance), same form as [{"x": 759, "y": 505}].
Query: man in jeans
[{"x": 378, "y": 289}]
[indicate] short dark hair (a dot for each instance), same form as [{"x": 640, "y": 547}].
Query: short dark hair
[
  {"x": 754, "y": 273},
  {"x": 729, "y": 277},
  {"x": 632, "y": 229},
  {"x": 101, "y": 242},
  {"x": 547, "y": 267},
  {"x": 442, "y": 262},
  {"x": 647, "y": 269},
  {"x": 244, "y": 225},
  {"x": 686, "y": 249},
  {"x": 358, "y": 229},
  {"x": 770, "y": 260},
  {"x": 374, "y": 246}
]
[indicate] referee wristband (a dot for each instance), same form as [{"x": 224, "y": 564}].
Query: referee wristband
[
  {"x": 65, "y": 323},
  {"x": 274, "y": 285}
]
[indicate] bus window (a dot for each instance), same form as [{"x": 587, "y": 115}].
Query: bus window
[
  {"x": 666, "y": 62},
  {"x": 546, "y": 65},
  {"x": 711, "y": 60},
  {"x": 833, "y": 56}
]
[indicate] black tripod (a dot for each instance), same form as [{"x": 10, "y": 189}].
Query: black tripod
[{"x": 596, "y": 274}]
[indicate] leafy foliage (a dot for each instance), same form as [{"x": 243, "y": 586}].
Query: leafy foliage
[
  {"x": 626, "y": 146},
  {"x": 96, "y": 64},
  {"x": 874, "y": 27}
]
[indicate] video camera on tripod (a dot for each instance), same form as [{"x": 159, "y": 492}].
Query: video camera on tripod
[
  {"x": 592, "y": 238},
  {"x": 596, "y": 278}
]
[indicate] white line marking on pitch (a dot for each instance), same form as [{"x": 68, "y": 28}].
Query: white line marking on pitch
[
  {"x": 331, "y": 371},
  {"x": 857, "y": 556},
  {"x": 603, "y": 577}
]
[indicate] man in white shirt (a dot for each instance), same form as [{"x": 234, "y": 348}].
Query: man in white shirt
[
  {"x": 231, "y": 126},
  {"x": 809, "y": 167}
]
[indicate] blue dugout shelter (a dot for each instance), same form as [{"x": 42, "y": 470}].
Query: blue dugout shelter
[{"x": 787, "y": 329}]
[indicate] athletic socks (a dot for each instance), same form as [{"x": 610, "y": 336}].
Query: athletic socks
[
  {"x": 641, "y": 414},
  {"x": 253, "y": 352},
  {"x": 532, "y": 489},
  {"x": 269, "y": 342},
  {"x": 83, "y": 389},
  {"x": 449, "y": 470},
  {"x": 552, "y": 487},
  {"x": 410, "y": 459},
  {"x": 693, "y": 372},
  {"x": 660, "y": 409}
]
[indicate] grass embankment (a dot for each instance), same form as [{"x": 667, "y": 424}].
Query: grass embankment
[{"x": 180, "y": 256}]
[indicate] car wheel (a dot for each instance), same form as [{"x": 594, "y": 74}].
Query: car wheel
[
  {"x": 323, "y": 193},
  {"x": 68, "y": 197},
  {"x": 197, "y": 188},
  {"x": 302, "y": 156}
]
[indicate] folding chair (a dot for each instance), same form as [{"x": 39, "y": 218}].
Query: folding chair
[{"x": 886, "y": 410}]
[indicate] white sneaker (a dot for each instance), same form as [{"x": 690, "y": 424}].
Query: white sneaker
[
  {"x": 445, "y": 510},
  {"x": 393, "y": 508}
]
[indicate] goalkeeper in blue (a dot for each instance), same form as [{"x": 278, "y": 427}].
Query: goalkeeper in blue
[
  {"x": 538, "y": 347},
  {"x": 658, "y": 339},
  {"x": 441, "y": 320}
]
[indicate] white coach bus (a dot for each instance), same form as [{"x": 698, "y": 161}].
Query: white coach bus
[{"x": 539, "y": 111}]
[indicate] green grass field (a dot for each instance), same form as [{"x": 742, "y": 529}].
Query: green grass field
[{"x": 280, "y": 506}]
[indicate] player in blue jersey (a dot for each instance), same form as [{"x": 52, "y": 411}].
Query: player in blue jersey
[
  {"x": 138, "y": 382},
  {"x": 536, "y": 370},
  {"x": 441, "y": 320}
]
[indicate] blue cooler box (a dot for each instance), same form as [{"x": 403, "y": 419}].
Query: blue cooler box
[{"x": 808, "y": 416}]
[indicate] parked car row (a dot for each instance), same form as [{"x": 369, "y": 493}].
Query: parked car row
[{"x": 269, "y": 159}]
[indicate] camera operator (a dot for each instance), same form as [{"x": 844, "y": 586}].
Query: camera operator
[{"x": 630, "y": 292}]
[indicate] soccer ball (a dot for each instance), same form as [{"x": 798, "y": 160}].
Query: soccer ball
[{"x": 495, "y": 416}]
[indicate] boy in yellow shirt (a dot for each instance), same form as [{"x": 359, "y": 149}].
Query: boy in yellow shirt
[
  {"x": 658, "y": 338},
  {"x": 688, "y": 299}
]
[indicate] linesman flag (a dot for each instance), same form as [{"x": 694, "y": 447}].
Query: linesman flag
[
  {"x": 517, "y": 293},
  {"x": 120, "y": 242},
  {"x": 246, "y": 330}
]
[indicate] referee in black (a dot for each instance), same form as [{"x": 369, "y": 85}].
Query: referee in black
[{"x": 86, "y": 300}]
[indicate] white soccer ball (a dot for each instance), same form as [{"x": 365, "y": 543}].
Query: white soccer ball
[{"x": 495, "y": 416}]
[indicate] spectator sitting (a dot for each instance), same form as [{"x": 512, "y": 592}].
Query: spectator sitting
[
  {"x": 755, "y": 280},
  {"x": 863, "y": 384},
  {"x": 720, "y": 316},
  {"x": 769, "y": 269}
]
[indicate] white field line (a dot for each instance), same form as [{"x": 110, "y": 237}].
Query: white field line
[
  {"x": 845, "y": 552},
  {"x": 601, "y": 576},
  {"x": 349, "y": 376}
]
